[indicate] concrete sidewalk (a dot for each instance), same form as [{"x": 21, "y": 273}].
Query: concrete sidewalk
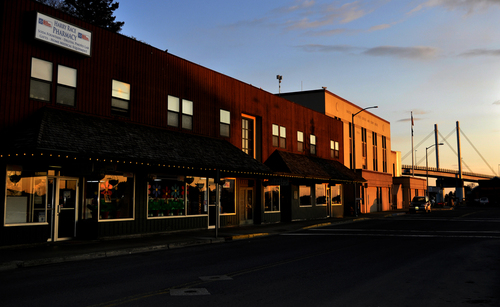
[{"x": 21, "y": 256}]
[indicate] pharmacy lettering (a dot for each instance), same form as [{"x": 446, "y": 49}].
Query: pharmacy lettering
[{"x": 62, "y": 34}]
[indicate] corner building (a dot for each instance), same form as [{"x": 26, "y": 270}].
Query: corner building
[
  {"x": 384, "y": 188},
  {"x": 106, "y": 136}
]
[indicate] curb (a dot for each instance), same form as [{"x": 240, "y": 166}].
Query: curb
[{"x": 16, "y": 264}]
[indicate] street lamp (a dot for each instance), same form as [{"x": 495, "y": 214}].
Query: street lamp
[
  {"x": 353, "y": 153},
  {"x": 427, "y": 168}
]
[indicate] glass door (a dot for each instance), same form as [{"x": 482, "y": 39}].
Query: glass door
[{"x": 63, "y": 195}]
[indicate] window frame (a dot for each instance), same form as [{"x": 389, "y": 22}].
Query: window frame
[
  {"x": 312, "y": 144},
  {"x": 300, "y": 141},
  {"x": 62, "y": 84},
  {"x": 272, "y": 189},
  {"x": 120, "y": 98},
  {"x": 42, "y": 79},
  {"x": 225, "y": 123},
  {"x": 302, "y": 196}
]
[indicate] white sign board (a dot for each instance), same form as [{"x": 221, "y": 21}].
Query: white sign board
[{"x": 63, "y": 34}]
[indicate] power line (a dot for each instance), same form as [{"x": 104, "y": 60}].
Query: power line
[{"x": 477, "y": 151}]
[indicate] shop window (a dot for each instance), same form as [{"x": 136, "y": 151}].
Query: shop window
[
  {"x": 312, "y": 145},
  {"x": 66, "y": 85},
  {"x": 225, "y": 122},
  {"x": 227, "y": 195},
  {"x": 166, "y": 197},
  {"x": 120, "y": 101},
  {"x": 272, "y": 199},
  {"x": 41, "y": 79},
  {"x": 26, "y": 198},
  {"x": 336, "y": 194},
  {"x": 305, "y": 195},
  {"x": 115, "y": 198},
  {"x": 187, "y": 114},
  {"x": 173, "y": 111},
  {"x": 300, "y": 141},
  {"x": 321, "y": 195}
]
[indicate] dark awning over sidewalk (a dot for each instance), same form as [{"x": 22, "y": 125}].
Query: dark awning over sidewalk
[
  {"x": 69, "y": 133},
  {"x": 308, "y": 167}
]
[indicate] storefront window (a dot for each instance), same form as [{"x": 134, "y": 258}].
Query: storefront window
[
  {"x": 196, "y": 201},
  {"x": 116, "y": 197},
  {"x": 321, "y": 194},
  {"x": 305, "y": 195},
  {"x": 26, "y": 198},
  {"x": 272, "y": 198},
  {"x": 166, "y": 197},
  {"x": 227, "y": 195},
  {"x": 336, "y": 194}
]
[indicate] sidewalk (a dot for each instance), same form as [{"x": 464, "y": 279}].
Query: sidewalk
[{"x": 13, "y": 257}]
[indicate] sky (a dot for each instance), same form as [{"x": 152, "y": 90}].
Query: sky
[{"x": 439, "y": 59}]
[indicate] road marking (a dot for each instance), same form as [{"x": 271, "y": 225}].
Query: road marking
[
  {"x": 423, "y": 235},
  {"x": 189, "y": 292}
]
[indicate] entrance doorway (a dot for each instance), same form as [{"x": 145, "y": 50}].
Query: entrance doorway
[
  {"x": 245, "y": 206},
  {"x": 62, "y": 207}
]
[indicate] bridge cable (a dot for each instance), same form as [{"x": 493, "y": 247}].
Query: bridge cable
[
  {"x": 420, "y": 143},
  {"x": 452, "y": 149},
  {"x": 477, "y": 151}
]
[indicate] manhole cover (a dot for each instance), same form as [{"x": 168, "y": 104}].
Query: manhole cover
[{"x": 189, "y": 292}]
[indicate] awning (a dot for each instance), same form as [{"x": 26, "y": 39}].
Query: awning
[
  {"x": 308, "y": 167},
  {"x": 68, "y": 133}
]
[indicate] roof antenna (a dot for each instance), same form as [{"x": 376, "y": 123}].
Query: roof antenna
[{"x": 279, "y": 79}]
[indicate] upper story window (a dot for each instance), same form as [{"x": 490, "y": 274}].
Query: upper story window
[
  {"x": 173, "y": 111},
  {"x": 312, "y": 145},
  {"x": 300, "y": 141},
  {"x": 375, "y": 151},
  {"x": 384, "y": 154},
  {"x": 120, "y": 101},
  {"x": 279, "y": 136},
  {"x": 41, "y": 79},
  {"x": 66, "y": 85},
  {"x": 364, "y": 148},
  {"x": 334, "y": 149},
  {"x": 247, "y": 135},
  {"x": 187, "y": 114},
  {"x": 225, "y": 123}
]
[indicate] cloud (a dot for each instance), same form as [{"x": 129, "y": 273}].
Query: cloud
[
  {"x": 481, "y": 52},
  {"x": 328, "y": 48},
  {"x": 418, "y": 52},
  {"x": 497, "y": 103},
  {"x": 379, "y": 27},
  {"x": 470, "y": 6}
]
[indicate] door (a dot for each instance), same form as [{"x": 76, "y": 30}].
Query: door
[
  {"x": 62, "y": 207},
  {"x": 245, "y": 206}
]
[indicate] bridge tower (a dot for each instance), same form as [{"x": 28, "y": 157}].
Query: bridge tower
[{"x": 459, "y": 192}]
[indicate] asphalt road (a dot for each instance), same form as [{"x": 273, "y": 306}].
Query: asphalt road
[{"x": 445, "y": 258}]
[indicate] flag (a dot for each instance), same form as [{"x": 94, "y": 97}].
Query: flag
[
  {"x": 83, "y": 36},
  {"x": 412, "y": 123},
  {"x": 44, "y": 22}
]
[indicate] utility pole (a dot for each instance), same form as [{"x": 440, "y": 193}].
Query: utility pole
[{"x": 459, "y": 191}]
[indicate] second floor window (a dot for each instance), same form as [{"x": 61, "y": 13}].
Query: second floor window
[
  {"x": 375, "y": 151},
  {"x": 66, "y": 85},
  {"x": 120, "y": 101},
  {"x": 334, "y": 149},
  {"x": 41, "y": 79},
  {"x": 364, "y": 148},
  {"x": 300, "y": 141},
  {"x": 173, "y": 111},
  {"x": 384, "y": 154},
  {"x": 279, "y": 136},
  {"x": 312, "y": 144},
  {"x": 225, "y": 122},
  {"x": 187, "y": 114}
]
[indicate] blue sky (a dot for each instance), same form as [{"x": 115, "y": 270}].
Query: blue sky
[{"x": 437, "y": 58}]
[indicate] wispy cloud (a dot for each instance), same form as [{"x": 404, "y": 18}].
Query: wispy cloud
[
  {"x": 497, "y": 103},
  {"x": 481, "y": 52},
  {"x": 329, "y": 48},
  {"x": 470, "y": 6},
  {"x": 414, "y": 53},
  {"x": 418, "y": 52}
]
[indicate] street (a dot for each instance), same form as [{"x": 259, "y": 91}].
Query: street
[{"x": 443, "y": 258}]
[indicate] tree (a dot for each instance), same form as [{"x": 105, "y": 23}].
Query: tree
[{"x": 96, "y": 12}]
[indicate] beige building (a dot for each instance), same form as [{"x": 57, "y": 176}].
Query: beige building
[{"x": 374, "y": 159}]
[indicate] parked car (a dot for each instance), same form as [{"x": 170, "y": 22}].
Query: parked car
[
  {"x": 484, "y": 201},
  {"x": 420, "y": 203}
]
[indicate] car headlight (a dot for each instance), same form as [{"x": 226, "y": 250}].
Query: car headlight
[{"x": 416, "y": 207}]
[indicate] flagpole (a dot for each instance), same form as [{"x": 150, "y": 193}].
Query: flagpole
[{"x": 412, "y": 151}]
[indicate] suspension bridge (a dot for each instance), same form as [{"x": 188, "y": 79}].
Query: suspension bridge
[{"x": 437, "y": 172}]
